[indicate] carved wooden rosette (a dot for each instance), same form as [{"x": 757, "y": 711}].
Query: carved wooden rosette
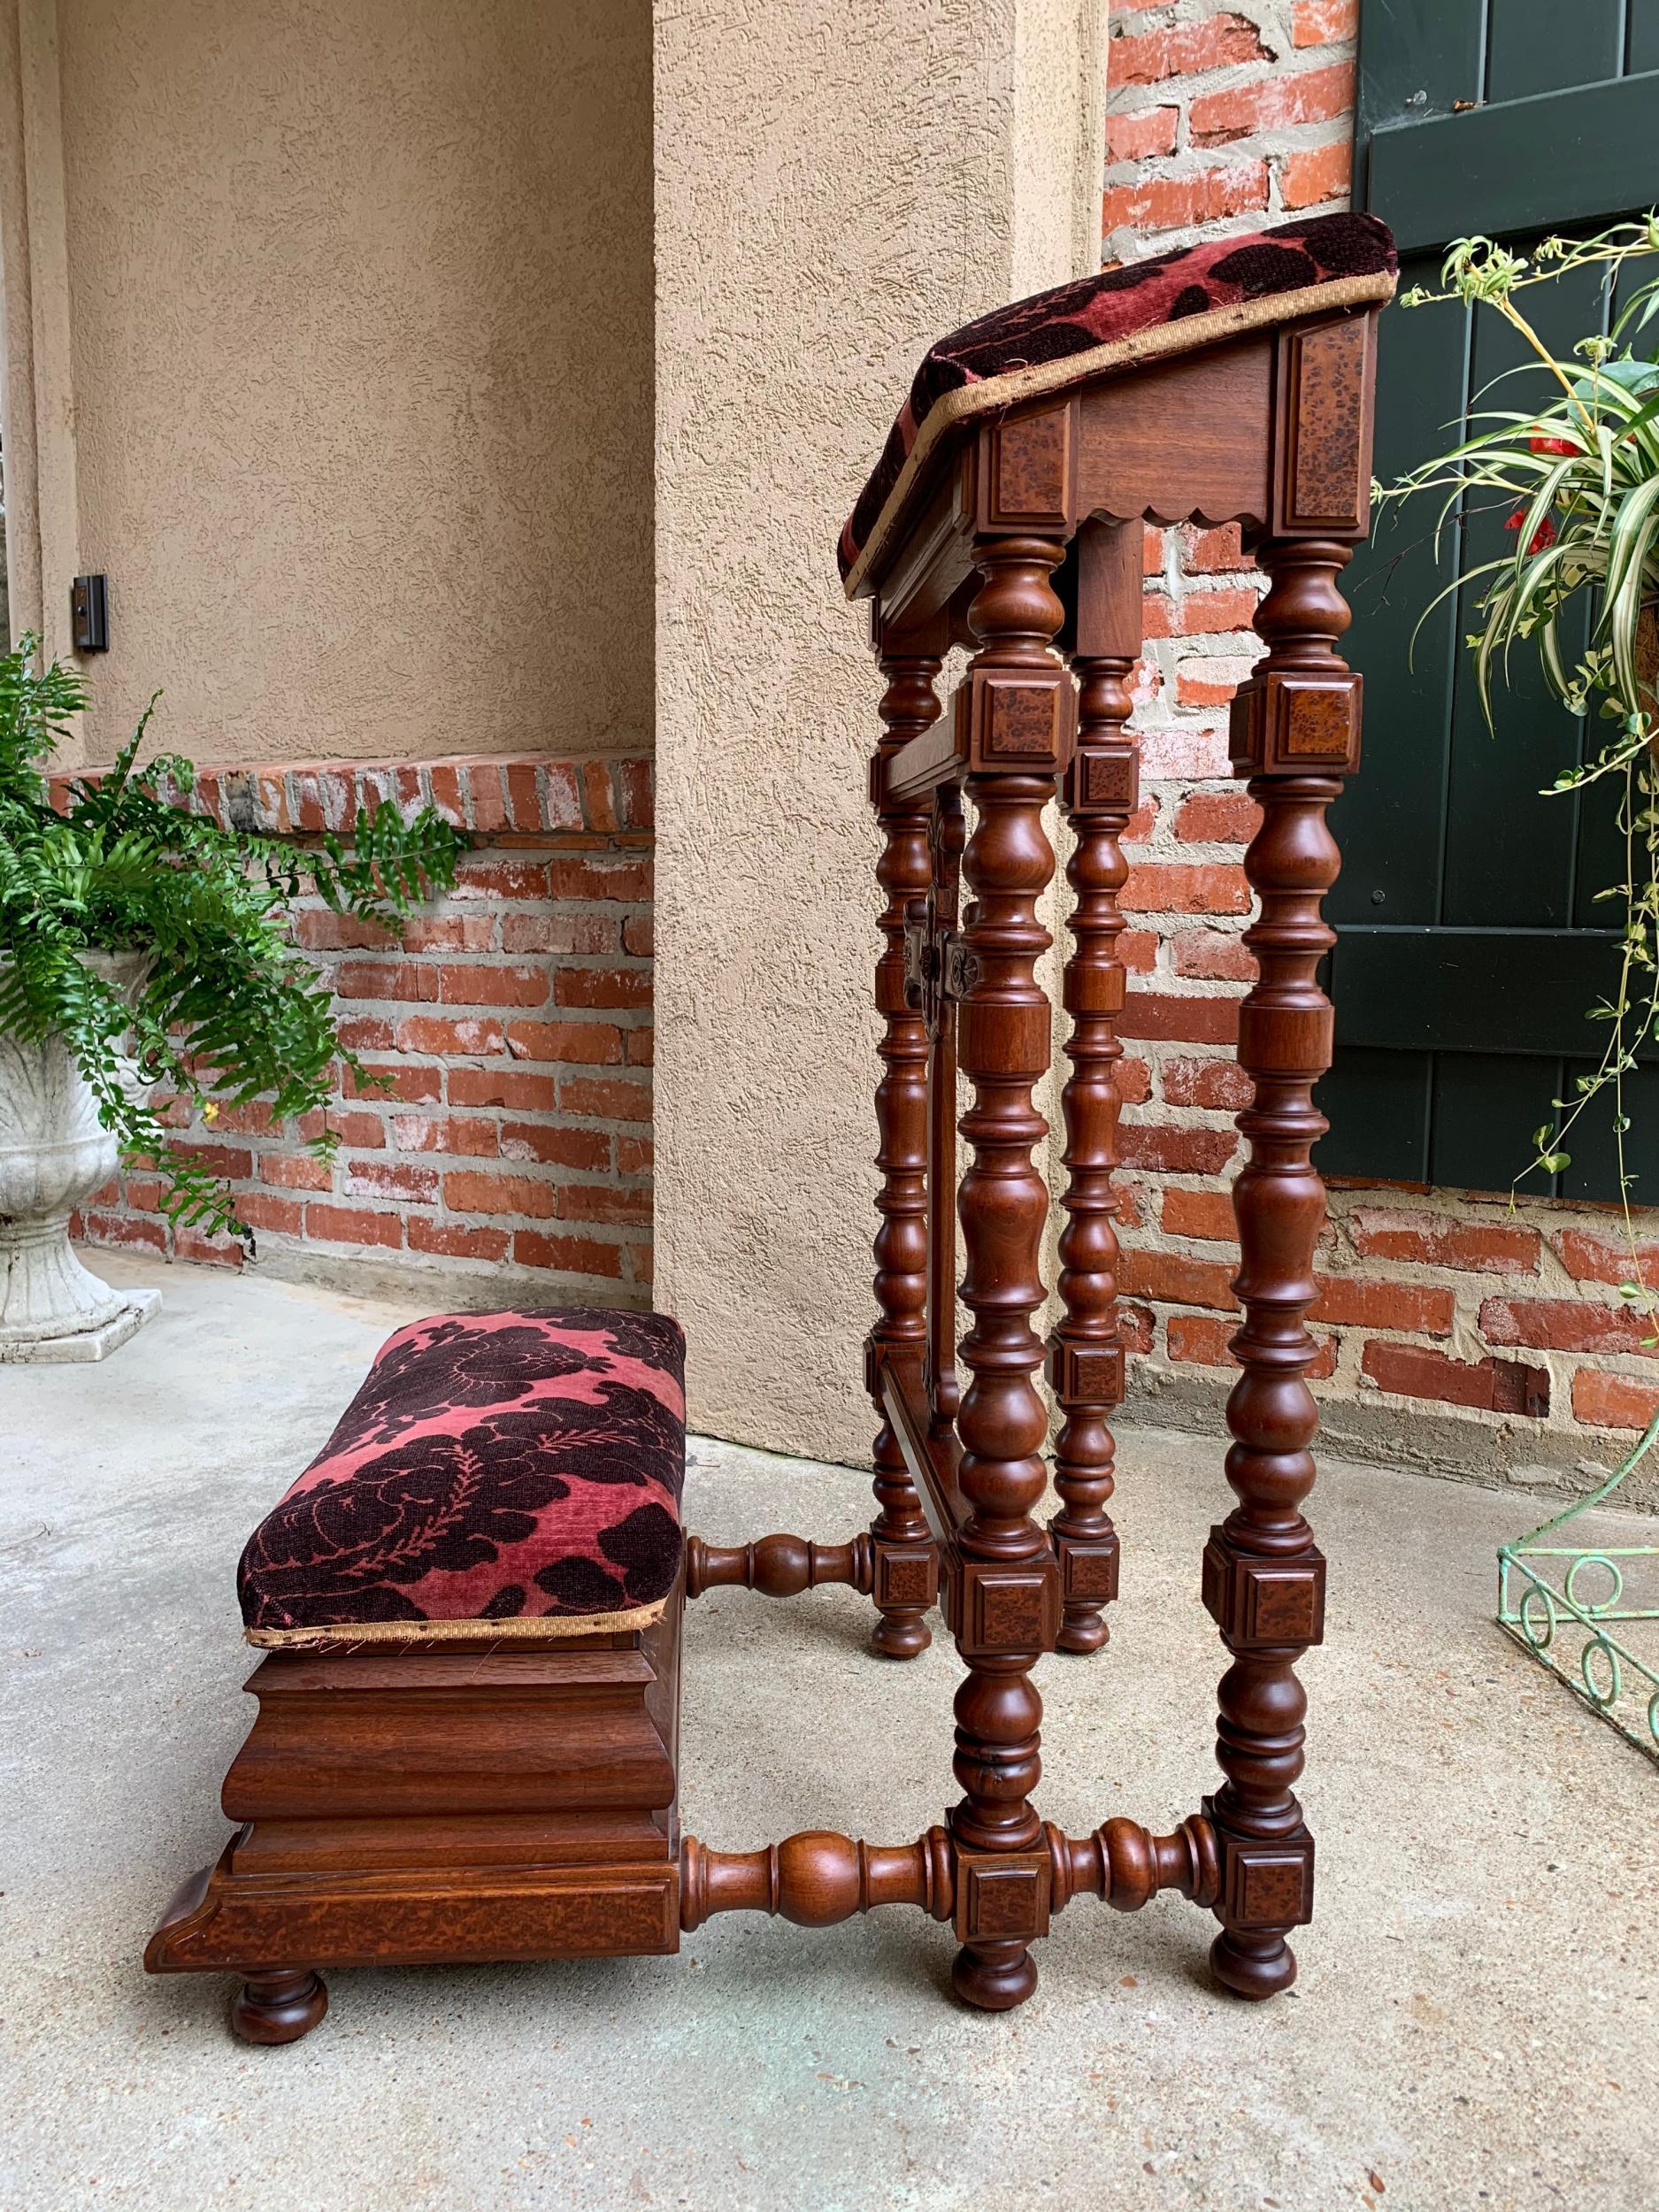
[
  {"x": 1018, "y": 709},
  {"x": 1295, "y": 734},
  {"x": 906, "y": 1565},
  {"x": 1086, "y": 1365}
]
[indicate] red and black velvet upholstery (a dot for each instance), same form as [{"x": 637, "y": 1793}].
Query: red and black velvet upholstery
[
  {"x": 1167, "y": 303},
  {"x": 507, "y": 1472}
]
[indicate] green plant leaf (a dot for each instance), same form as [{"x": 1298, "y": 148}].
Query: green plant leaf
[{"x": 231, "y": 1010}]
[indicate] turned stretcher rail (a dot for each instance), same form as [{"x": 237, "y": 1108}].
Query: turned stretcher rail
[
  {"x": 819, "y": 1878},
  {"x": 779, "y": 1566}
]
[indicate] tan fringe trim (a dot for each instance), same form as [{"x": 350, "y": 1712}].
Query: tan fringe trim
[
  {"x": 995, "y": 393},
  {"x": 348, "y": 1635}
]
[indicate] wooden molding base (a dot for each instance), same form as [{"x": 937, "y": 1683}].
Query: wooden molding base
[{"x": 421, "y": 1807}]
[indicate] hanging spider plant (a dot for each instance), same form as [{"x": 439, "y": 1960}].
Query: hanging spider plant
[{"x": 1580, "y": 474}]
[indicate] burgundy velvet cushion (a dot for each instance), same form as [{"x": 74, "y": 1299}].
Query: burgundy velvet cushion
[
  {"x": 1100, "y": 312},
  {"x": 515, "y": 1469}
]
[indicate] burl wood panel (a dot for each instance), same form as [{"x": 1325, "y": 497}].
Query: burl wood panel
[
  {"x": 1325, "y": 378},
  {"x": 1027, "y": 480}
]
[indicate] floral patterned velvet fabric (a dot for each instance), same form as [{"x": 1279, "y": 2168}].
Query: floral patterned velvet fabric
[
  {"x": 1097, "y": 311},
  {"x": 514, "y": 1470}
]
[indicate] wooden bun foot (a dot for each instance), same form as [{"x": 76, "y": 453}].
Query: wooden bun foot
[
  {"x": 901, "y": 1635},
  {"x": 996, "y": 1977},
  {"x": 277, "y": 2007},
  {"x": 1253, "y": 1966},
  {"x": 1083, "y": 1633}
]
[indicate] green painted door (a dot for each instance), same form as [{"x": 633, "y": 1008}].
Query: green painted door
[{"x": 1469, "y": 943}]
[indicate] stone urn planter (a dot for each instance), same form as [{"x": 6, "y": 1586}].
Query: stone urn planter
[{"x": 54, "y": 1154}]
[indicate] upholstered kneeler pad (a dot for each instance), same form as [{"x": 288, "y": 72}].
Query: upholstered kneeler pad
[
  {"x": 1169, "y": 302},
  {"x": 515, "y": 1471}
]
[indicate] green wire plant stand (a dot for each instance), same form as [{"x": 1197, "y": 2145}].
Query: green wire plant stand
[{"x": 1574, "y": 1607}]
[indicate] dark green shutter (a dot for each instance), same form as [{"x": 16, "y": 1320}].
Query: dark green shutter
[{"x": 1469, "y": 947}]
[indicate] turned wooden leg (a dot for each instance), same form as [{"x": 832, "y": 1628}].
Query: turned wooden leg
[
  {"x": 1085, "y": 1364},
  {"x": 277, "y": 2007},
  {"x": 944, "y": 1389},
  {"x": 906, "y": 1561},
  {"x": 1295, "y": 731},
  {"x": 1005, "y": 1592}
]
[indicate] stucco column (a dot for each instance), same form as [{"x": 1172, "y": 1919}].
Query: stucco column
[
  {"x": 38, "y": 430},
  {"x": 837, "y": 181}
]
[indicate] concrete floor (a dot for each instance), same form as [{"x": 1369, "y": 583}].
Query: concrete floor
[{"x": 1473, "y": 2025}]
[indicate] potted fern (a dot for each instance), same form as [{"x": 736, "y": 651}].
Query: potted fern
[{"x": 148, "y": 974}]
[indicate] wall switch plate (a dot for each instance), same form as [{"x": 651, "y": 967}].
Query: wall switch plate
[{"x": 89, "y": 614}]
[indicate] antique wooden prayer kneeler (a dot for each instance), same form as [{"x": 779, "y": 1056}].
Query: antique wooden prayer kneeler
[{"x": 483, "y": 1775}]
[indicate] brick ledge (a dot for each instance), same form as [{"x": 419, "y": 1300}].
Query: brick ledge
[{"x": 506, "y": 792}]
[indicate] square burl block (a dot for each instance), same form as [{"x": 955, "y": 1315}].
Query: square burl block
[
  {"x": 1285, "y": 723},
  {"x": 1318, "y": 722},
  {"x": 1033, "y": 465},
  {"x": 1018, "y": 720},
  {"x": 1086, "y": 1375},
  {"x": 906, "y": 1577},
  {"x": 1021, "y": 721},
  {"x": 1104, "y": 779},
  {"x": 1014, "y": 1608},
  {"x": 1273, "y": 1890},
  {"x": 1258, "y": 1602},
  {"x": 1264, "y": 1884},
  {"x": 1088, "y": 1570},
  {"x": 1003, "y": 1896}
]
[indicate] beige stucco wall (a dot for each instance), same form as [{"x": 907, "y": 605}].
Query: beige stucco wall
[
  {"x": 837, "y": 181},
  {"x": 357, "y": 408}
]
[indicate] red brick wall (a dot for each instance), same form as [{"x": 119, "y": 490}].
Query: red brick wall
[
  {"x": 1451, "y": 1309},
  {"x": 513, "y": 1017},
  {"x": 1217, "y": 112}
]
